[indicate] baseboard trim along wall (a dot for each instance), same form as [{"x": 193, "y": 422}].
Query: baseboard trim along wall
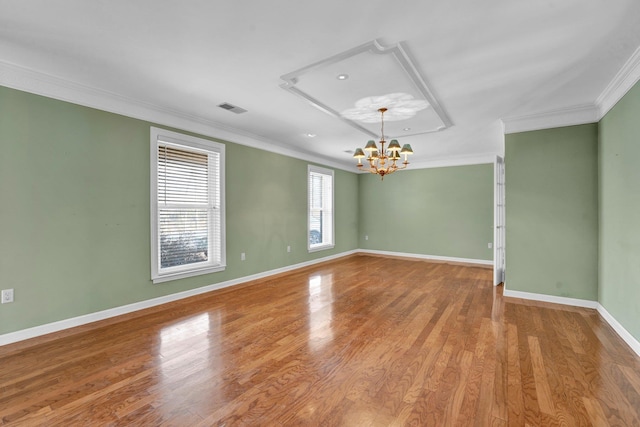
[
  {"x": 624, "y": 334},
  {"x": 617, "y": 327},
  {"x": 551, "y": 298},
  {"x": 435, "y": 258},
  {"x": 48, "y": 328},
  {"x": 36, "y": 331},
  {"x": 73, "y": 322}
]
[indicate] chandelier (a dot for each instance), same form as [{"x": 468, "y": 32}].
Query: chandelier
[{"x": 383, "y": 161}]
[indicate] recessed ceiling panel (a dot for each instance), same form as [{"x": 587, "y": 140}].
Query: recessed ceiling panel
[{"x": 355, "y": 84}]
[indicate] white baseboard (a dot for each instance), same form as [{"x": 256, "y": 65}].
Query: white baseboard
[
  {"x": 48, "y": 328},
  {"x": 551, "y": 298},
  {"x": 624, "y": 334},
  {"x": 427, "y": 257},
  {"x": 620, "y": 330}
]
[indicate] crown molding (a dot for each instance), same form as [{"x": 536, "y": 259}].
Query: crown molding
[
  {"x": 570, "y": 116},
  {"x": 456, "y": 161},
  {"x": 28, "y": 80},
  {"x": 480, "y": 159},
  {"x": 623, "y": 81},
  {"x": 626, "y": 78}
]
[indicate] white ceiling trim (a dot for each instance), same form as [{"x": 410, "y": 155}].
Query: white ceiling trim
[
  {"x": 479, "y": 159},
  {"x": 456, "y": 161},
  {"x": 39, "y": 83},
  {"x": 576, "y": 115},
  {"x": 622, "y": 83}
]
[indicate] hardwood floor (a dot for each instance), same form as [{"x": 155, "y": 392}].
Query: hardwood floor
[{"x": 362, "y": 341}]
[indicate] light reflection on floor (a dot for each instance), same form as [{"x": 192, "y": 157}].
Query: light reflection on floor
[
  {"x": 183, "y": 329},
  {"x": 191, "y": 354},
  {"x": 320, "y": 311}
]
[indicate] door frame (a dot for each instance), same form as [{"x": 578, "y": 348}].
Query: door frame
[{"x": 499, "y": 223}]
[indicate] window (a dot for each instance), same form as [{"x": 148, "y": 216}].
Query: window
[
  {"x": 187, "y": 206},
  {"x": 320, "y": 208}
]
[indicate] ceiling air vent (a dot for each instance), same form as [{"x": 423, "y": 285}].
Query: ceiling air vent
[{"x": 232, "y": 108}]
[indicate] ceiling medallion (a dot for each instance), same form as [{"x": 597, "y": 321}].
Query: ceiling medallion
[
  {"x": 397, "y": 106},
  {"x": 400, "y": 106}
]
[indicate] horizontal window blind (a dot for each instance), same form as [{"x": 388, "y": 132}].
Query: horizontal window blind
[{"x": 183, "y": 176}]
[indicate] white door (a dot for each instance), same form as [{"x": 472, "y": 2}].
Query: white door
[{"x": 499, "y": 222}]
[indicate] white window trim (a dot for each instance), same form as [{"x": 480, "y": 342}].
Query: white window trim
[
  {"x": 325, "y": 171},
  {"x": 187, "y": 141}
]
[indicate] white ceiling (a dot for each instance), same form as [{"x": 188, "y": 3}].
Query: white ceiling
[{"x": 482, "y": 60}]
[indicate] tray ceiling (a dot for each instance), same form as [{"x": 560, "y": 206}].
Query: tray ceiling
[
  {"x": 366, "y": 78},
  {"x": 475, "y": 63}
]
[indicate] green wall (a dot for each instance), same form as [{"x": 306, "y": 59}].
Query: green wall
[
  {"x": 619, "y": 209},
  {"x": 552, "y": 212},
  {"x": 74, "y": 216},
  {"x": 444, "y": 211}
]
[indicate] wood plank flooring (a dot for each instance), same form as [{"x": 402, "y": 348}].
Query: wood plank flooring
[{"x": 361, "y": 341}]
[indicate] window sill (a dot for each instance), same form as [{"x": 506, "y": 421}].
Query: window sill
[
  {"x": 320, "y": 248},
  {"x": 184, "y": 274}
]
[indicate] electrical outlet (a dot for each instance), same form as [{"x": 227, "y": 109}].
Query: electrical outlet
[
  {"x": 242, "y": 256},
  {"x": 366, "y": 237},
  {"x": 7, "y": 296},
  {"x": 489, "y": 245},
  {"x": 288, "y": 248}
]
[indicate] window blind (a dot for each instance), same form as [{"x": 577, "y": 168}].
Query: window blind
[{"x": 188, "y": 207}]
